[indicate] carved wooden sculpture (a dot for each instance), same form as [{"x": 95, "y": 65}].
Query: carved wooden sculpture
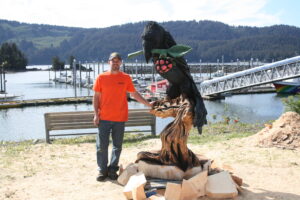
[
  {"x": 174, "y": 137},
  {"x": 183, "y": 101}
]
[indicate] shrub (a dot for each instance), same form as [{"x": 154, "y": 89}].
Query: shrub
[{"x": 292, "y": 103}]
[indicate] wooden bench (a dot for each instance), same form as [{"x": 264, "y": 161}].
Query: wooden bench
[{"x": 84, "y": 120}]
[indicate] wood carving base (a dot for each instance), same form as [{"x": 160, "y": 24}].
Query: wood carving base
[{"x": 172, "y": 172}]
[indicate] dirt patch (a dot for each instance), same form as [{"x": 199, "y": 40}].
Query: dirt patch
[
  {"x": 63, "y": 172},
  {"x": 284, "y": 132}
]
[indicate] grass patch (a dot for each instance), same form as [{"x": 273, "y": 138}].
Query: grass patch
[
  {"x": 216, "y": 132},
  {"x": 75, "y": 140},
  {"x": 10, "y": 151},
  {"x": 13, "y": 149},
  {"x": 130, "y": 139}
]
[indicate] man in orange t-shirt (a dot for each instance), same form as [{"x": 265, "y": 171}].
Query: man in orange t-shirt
[{"x": 111, "y": 113}]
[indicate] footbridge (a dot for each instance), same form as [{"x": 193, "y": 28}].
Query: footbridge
[{"x": 276, "y": 71}]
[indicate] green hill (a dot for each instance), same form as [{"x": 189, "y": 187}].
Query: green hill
[{"x": 210, "y": 41}]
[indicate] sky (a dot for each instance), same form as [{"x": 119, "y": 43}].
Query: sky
[{"x": 105, "y": 13}]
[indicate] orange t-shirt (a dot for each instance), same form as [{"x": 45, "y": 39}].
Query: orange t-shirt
[{"x": 113, "y": 104}]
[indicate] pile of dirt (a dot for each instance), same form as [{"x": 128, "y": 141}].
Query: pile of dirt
[{"x": 283, "y": 133}]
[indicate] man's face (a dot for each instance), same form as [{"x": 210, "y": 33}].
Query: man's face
[{"x": 115, "y": 64}]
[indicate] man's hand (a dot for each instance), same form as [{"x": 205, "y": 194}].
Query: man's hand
[
  {"x": 96, "y": 102},
  {"x": 151, "y": 104},
  {"x": 96, "y": 120}
]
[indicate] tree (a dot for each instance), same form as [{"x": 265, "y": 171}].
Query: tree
[
  {"x": 10, "y": 54},
  {"x": 71, "y": 61},
  {"x": 57, "y": 64}
]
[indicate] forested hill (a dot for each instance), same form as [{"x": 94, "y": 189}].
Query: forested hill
[{"x": 210, "y": 41}]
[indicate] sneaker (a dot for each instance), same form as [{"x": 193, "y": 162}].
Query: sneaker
[
  {"x": 113, "y": 175},
  {"x": 101, "y": 177}
]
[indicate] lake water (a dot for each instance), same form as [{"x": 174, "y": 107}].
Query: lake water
[{"x": 28, "y": 123}]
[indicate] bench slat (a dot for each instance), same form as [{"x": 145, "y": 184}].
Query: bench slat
[
  {"x": 131, "y": 112},
  {"x": 58, "y": 126},
  {"x": 90, "y": 118},
  {"x": 66, "y": 127}
]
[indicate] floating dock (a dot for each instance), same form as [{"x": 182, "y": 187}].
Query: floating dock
[{"x": 39, "y": 102}]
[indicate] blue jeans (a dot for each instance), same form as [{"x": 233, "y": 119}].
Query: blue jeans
[{"x": 102, "y": 141}]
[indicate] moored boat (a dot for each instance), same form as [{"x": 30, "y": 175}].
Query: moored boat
[
  {"x": 6, "y": 97},
  {"x": 291, "y": 86}
]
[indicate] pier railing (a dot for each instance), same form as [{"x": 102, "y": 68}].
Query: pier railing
[{"x": 277, "y": 71}]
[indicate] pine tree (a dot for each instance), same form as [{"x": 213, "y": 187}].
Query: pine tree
[{"x": 13, "y": 58}]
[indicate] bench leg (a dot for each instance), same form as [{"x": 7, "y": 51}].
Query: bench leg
[{"x": 47, "y": 137}]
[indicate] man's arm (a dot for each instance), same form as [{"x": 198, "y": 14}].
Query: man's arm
[
  {"x": 137, "y": 96},
  {"x": 96, "y": 102}
]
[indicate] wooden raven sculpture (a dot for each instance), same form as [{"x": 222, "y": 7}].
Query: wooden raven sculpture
[{"x": 174, "y": 69}]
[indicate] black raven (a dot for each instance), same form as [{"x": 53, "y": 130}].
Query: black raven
[{"x": 174, "y": 69}]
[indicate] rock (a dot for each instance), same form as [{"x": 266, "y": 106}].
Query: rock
[
  {"x": 221, "y": 185},
  {"x": 194, "y": 187},
  {"x": 135, "y": 186}
]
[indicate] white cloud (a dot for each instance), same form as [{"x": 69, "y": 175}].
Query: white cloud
[{"x": 103, "y": 13}]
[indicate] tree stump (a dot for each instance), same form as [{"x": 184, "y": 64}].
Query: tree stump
[{"x": 174, "y": 150}]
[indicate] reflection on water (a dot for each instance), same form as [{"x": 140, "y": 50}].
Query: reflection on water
[
  {"x": 28, "y": 123},
  {"x": 36, "y": 85},
  {"x": 250, "y": 108}
]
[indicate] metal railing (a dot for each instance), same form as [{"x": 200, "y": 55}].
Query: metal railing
[{"x": 277, "y": 71}]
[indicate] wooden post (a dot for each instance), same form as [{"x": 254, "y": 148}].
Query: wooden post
[
  {"x": 86, "y": 69},
  {"x": 49, "y": 72},
  {"x": 80, "y": 77},
  {"x": 88, "y": 80},
  {"x": 102, "y": 66},
  {"x": 200, "y": 68},
  {"x": 4, "y": 81},
  {"x": 1, "y": 79},
  {"x": 209, "y": 71},
  {"x": 136, "y": 66},
  {"x": 94, "y": 69},
  {"x": 66, "y": 75},
  {"x": 54, "y": 74},
  {"x": 74, "y": 78},
  {"x": 124, "y": 67}
]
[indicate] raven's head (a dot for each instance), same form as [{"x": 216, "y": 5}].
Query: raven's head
[{"x": 155, "y": 37}]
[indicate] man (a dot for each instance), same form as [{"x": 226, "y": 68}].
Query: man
[{"x": 111, "y": 113}]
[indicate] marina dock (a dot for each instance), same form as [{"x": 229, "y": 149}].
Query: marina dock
[
  {"x": 57, "y": 101},
  {"x": 38, "y": 102}
]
